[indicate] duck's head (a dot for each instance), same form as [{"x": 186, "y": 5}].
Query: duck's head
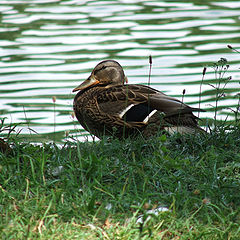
[{"x": 107, "y": 73}]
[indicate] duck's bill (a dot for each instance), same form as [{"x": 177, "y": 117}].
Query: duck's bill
[{"x": 87, "y": 83}]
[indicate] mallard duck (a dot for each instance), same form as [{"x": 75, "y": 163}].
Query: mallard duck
[{"x": 106, "y": 106}]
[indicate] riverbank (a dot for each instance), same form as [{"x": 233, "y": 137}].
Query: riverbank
[{"x": 98, "y": 190}]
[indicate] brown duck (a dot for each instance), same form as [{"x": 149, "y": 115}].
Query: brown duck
[{"x": 106, "y": 106}]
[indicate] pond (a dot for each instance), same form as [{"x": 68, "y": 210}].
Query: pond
[{"x": 47, "y": 47}]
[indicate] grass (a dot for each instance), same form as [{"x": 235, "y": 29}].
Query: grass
[
  {"x": 97, "y": 190},
  {"x": 105, "y": 189}
]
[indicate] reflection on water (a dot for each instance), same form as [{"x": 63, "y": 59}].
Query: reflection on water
[{"x": 48, "y": 46}]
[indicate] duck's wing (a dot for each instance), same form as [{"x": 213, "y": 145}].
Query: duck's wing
[{"x": 137, "y": 103}]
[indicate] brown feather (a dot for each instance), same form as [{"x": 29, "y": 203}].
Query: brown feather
[{"x": 105, "y": 106}]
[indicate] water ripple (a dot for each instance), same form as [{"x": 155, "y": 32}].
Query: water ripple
[{"x": 48, "y": 46}]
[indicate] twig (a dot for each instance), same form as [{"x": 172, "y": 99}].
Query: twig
[
  {"x": 234, "y": 49},
  {"x": 27, "y": 120},
  {"x": 200, "y": 93},
  {"x": 150, "y": 69},
  {"x": 149, "y": 78},
  {"x": 54, "y": 112}
]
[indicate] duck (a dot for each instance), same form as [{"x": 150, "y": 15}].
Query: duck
[{"x": 106, "y": 105}]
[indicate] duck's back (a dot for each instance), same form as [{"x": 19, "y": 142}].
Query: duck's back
[{"x": 123, "y": 110}]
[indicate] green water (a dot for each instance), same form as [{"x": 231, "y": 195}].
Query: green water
[{"x": 47, "y": 47}]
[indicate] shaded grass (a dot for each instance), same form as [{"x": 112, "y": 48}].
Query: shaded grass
[{"x": 97, "y": 190}]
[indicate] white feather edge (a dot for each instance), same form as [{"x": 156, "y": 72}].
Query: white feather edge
[
  {"x": 121, "y": 114},
  {"x": 146, "y": 119}
]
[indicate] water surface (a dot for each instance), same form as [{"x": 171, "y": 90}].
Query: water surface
[{"x": 47, "y": 47}]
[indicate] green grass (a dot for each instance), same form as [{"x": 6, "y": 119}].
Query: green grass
[{"x": 97, "y": 190}]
